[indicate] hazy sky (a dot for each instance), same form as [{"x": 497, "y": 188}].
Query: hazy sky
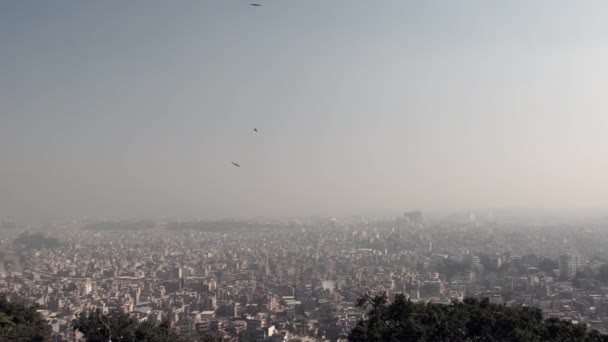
[{"x": 136, "y": 108}]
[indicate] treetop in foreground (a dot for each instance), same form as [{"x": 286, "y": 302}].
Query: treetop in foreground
[
  {"x": 119, "y": 326},
  {"x": 469, "y": 320},
  {"x": 19, "y": 322}
]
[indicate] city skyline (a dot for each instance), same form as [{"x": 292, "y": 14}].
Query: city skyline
[
  {"x": 303, "y": 171},
  {"x": 278, "y": 281}
]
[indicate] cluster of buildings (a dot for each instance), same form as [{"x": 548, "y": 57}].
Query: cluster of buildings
[{"x": 300, "y": 281}]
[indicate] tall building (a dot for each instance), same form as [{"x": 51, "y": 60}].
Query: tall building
[
  {"x": 87, "y": 287},
  {"x": 570, "y": 263},
  {"x": 237, "y": 307},
  {"x": 414, "y": 219}
]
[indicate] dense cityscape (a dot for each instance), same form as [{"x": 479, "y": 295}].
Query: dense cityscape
[
  {"x": 299, "y": 280},
  {"x": 303, "y": 171}
]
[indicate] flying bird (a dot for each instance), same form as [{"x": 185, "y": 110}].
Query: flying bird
[
  {"x": 256, "y": 5},
  {"x": 235, "y": 164},
  {"x": 255, "y": 129}
]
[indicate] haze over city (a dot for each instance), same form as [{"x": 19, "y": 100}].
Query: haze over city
[
  {"x": 303, "y": 171},
  {"x": 138, "y": 108}
]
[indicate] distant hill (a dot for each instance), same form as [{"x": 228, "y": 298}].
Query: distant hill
[
  {"x": 214, "y": 226},
  {"x": 118, "y": 226},
  {"x": 36, "y": 240},
  {"x": 8, "y": 225}
]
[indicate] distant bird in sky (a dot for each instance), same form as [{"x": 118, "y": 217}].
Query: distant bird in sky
[
  {"x": 235, "y": 164},
  {"x": 255, "y": 129},
  {"x": 256, "y": 5}
]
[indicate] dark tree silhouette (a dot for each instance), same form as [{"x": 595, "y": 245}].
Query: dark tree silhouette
[
  {"x": 602, "y": 273},
  {"x": 19, "y": 322},
  {"x": 548, "y": 265},
  {"x": 97, "y": 327},
  {"x": 470, "y": 320}
]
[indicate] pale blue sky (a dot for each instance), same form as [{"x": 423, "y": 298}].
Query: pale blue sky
[{"x": 136, "y": 108}]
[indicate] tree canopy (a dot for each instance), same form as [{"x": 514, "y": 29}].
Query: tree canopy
[
  {"x": 602, "y": 273},
  {"x": 469, "y": 320},
  {"x": 97, "y": 326},
  {"x": 19, "y": 322},
  {"x": 548, "y": 265}
]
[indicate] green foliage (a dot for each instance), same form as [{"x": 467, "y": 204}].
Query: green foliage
[
  {"x": 327, "y": 314},
  {"x": 450, "y": 267},
  {"x": 602, "y": 274},
  {"x": 252, "y": 310},
  {"x": 199, "y": 336},
  {"x": 470, "y": 320},
  {"x": 211, "y": 337},
  {"x": 488, "y": 264},
  {"x": 248, "y": 336},
  {"x": 548, "y": 265},
  {"x": 21, "y": 323},
  {"x": 97, "y": 327},
  {"x": 225, "y": 311}
]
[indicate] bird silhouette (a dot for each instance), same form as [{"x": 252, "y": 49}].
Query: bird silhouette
[
  {"x": 235, "y": 164},
  {"x": 256, "y": 5},
  {"x": 255, "y": 129}
]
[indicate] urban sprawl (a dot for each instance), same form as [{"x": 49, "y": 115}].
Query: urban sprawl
[{"x": 299, "y": 280}]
